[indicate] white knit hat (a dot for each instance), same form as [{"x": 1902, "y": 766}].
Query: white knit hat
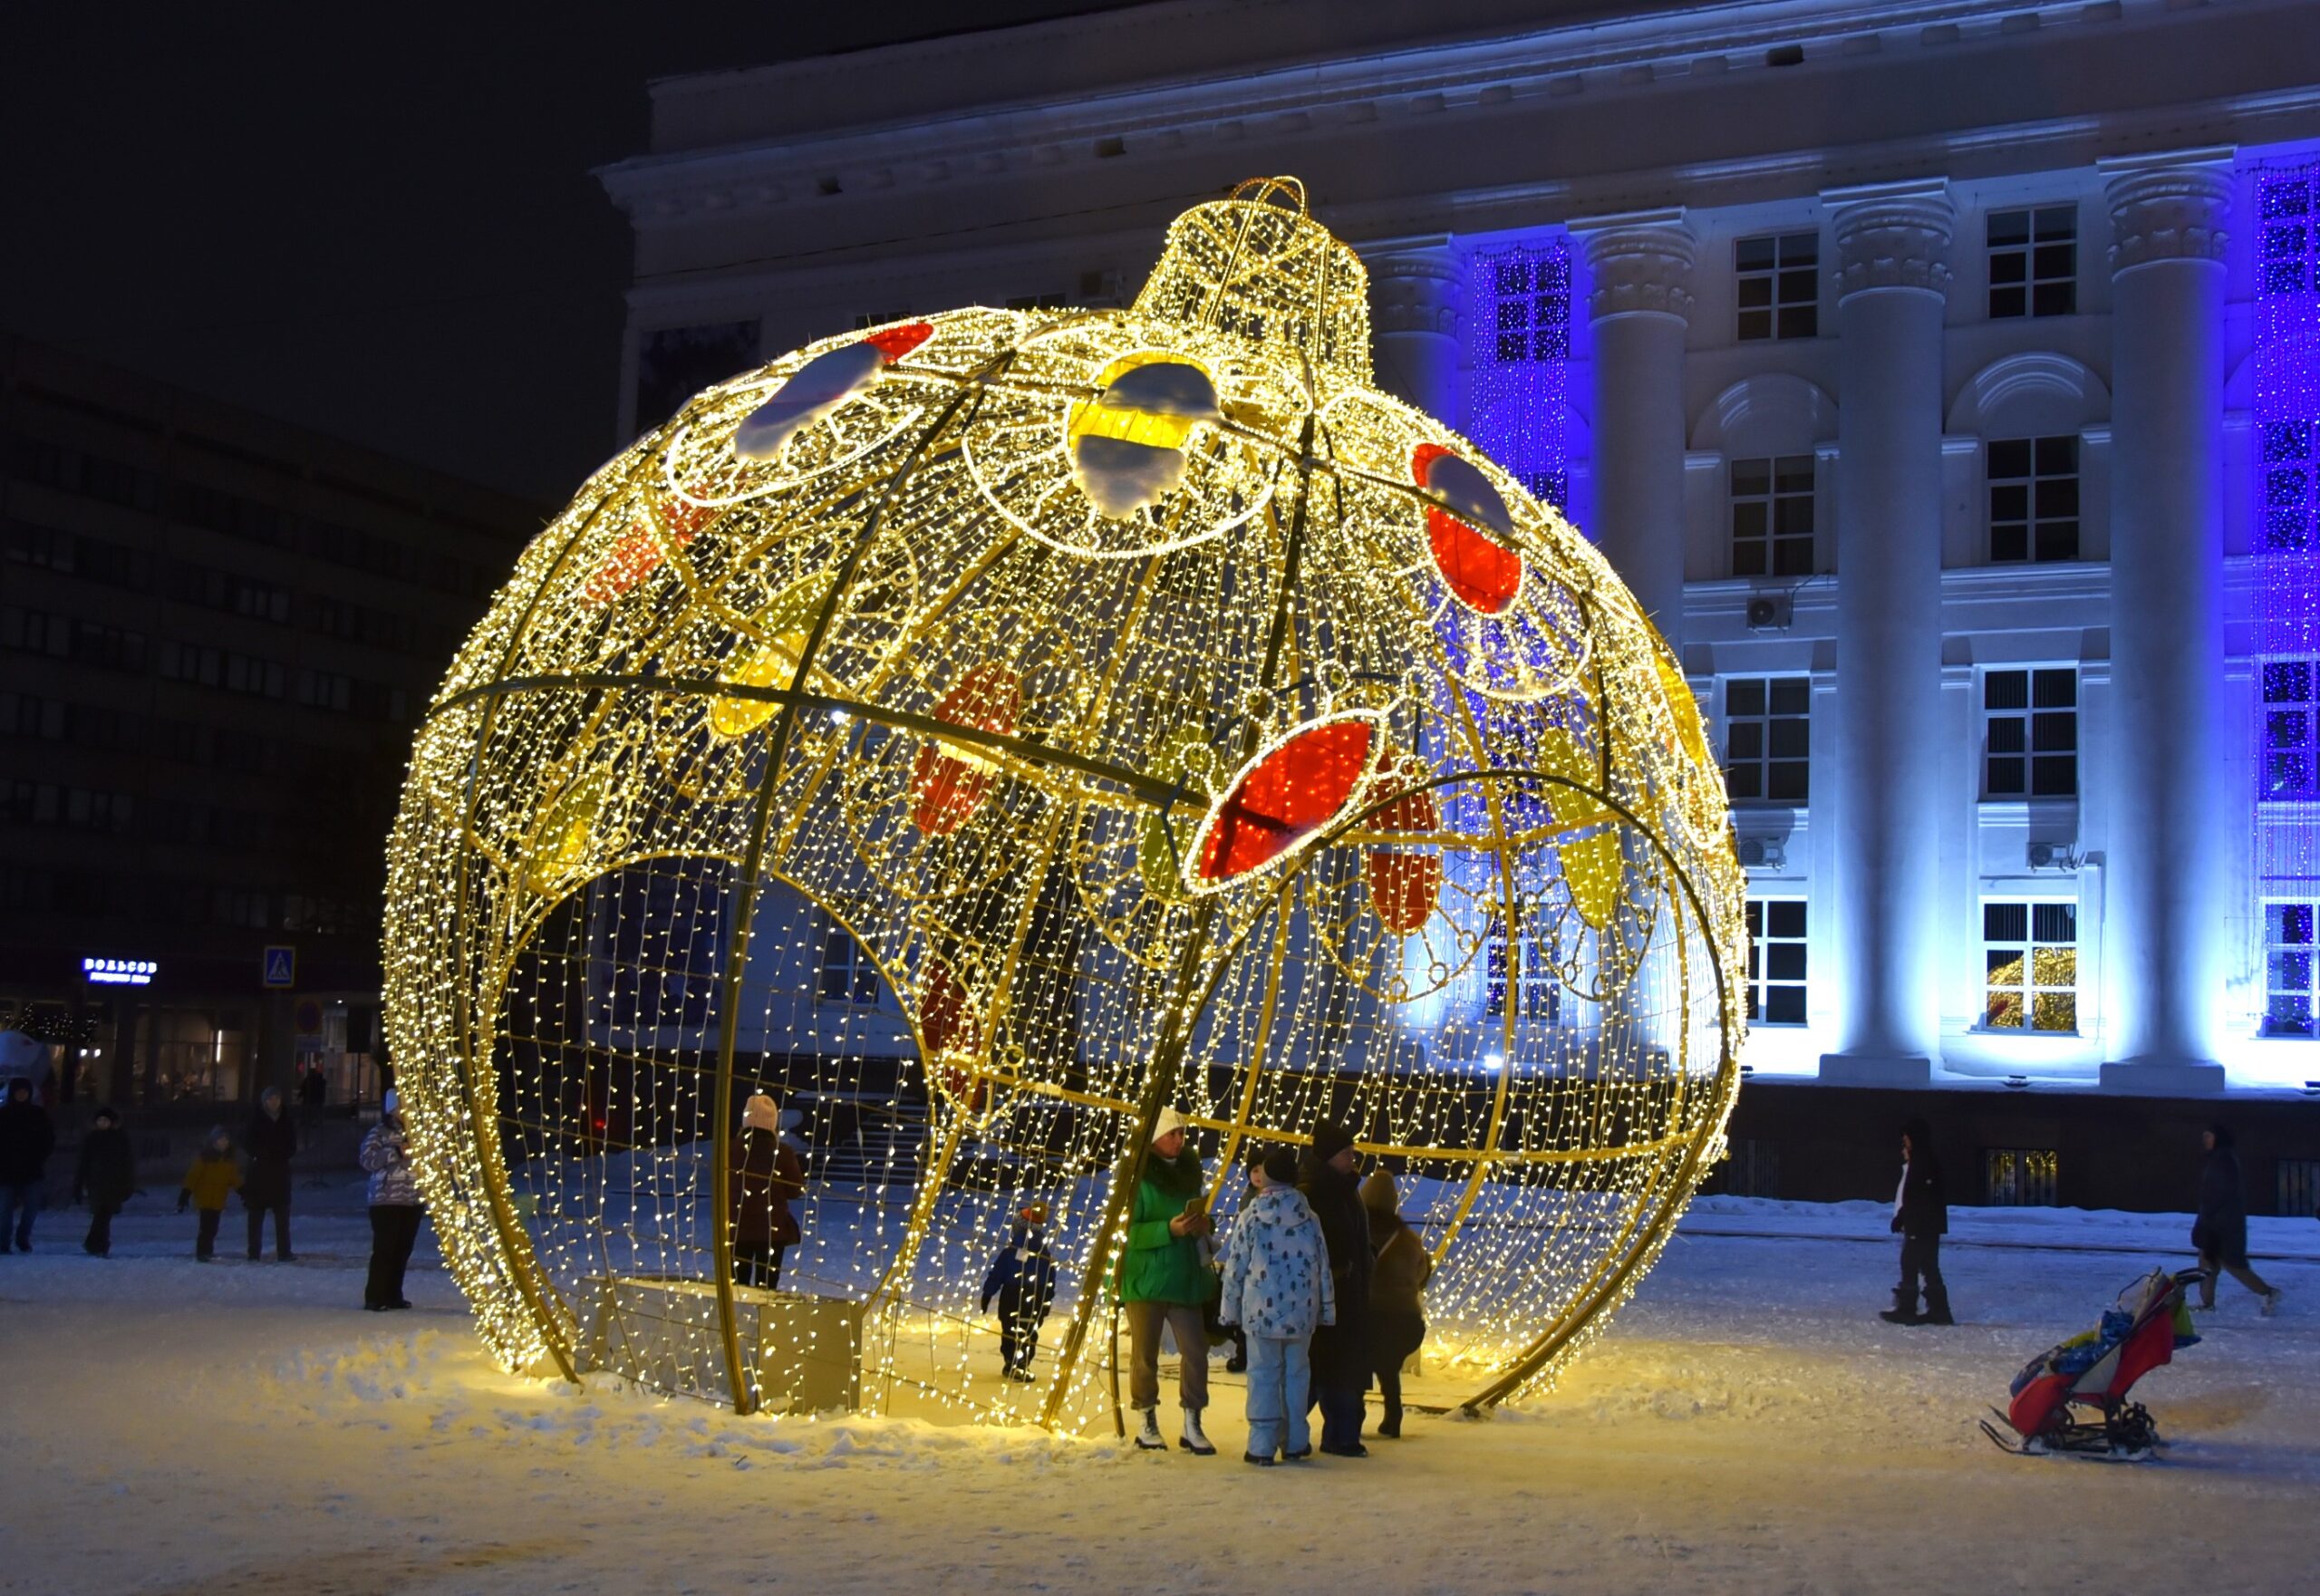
[
  {"x": 1170, "y": 1120},
  {"x": 761, "y": 1113}
]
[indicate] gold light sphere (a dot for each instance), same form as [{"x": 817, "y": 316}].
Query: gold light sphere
[{"x": 1172, "y": 720}]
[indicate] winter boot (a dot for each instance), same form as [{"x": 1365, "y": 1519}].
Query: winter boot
[
  {"x": 1904, "y": 1310},
  {"x": 1937, "y": 1309},
  {"x": 2271, "y": 1302},
  {"x": 1192, "y": 1441},
  {"x": 1148, "y": 1438}
]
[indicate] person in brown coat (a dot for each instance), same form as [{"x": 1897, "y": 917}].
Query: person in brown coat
[
  {"x": 1396, "y": 1322},
  {"x": 766, "y": 1173}
]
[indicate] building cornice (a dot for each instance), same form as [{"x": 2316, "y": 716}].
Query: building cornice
[{"x": 1272, "y": 107}]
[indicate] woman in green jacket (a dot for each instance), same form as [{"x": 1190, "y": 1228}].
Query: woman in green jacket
[{"x": 1164, "y": 1279}]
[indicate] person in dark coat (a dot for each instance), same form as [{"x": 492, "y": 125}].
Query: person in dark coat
[
  {"x": 103, "y": 1179},
  {"x": 2220, "y": 1229},
  {"x": 1921, "y": 1218},
  {"x": 269, "y": 1142},
  {"x": 1021, "y": 1281},
  {"x": 1398, "y": 1273},
  {"x": 765, "y": 1173},
  {"x": 313, "y": 1087},
  {"x": 26, "y": 1139},
  {"x": 1341, "y": 1353}
]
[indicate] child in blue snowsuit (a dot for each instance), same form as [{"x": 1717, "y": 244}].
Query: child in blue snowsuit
[
  {"x": 1022, "y": 1281},
  {"x": 1278, "y": 1289}
]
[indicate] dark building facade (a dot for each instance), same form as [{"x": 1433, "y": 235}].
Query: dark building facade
[{"x": 217, "y": 631}]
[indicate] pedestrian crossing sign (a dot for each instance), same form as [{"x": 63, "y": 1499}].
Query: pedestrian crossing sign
[{"x": 281, "y": 967}]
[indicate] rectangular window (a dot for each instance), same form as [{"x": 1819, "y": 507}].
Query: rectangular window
[
  {"x": 2033, "y": 262},
  {"x": 2030, "y": 956},
  {"x": 23, "y": 714},
  {"x": 2288, "y": 969},
  {"x": 1752, "y": 1169},
  {"x": 2298, "y": 1187},
  {"x": 1520, "y": 973},
  {"x": 1778, "y": 283},
  {"x": 1771, "y": 517},
  {"x": 1531, "y": 307},
  {"x": 2291, "y": 725},
  {"x": 1776, "y": 955},
  {"x": 2291, "y": 487},
  {"x": 325, "y": 690},
  {"x": 847, "y": 974},
  {"x": 2030, "y": 734},
  {"x": 1768, "y": 738},
  {"x": 2033, "y": 499},
  {"x": 2021, "y": 1178}
]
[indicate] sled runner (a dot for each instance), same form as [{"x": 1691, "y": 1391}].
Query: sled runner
[{"x": 2093, "y": 1373}]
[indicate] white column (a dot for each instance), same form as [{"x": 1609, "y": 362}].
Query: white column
[
  {"x": 2166, "y": 850},
  {"x": 1892, "y": 277},
  {"x": 1640, "y": 268},
  {"x": 1414, "y": 294}
]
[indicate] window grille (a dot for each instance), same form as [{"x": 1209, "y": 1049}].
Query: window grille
[
  {"x": 2033, "y": 262},
  {"x": 2030, "y": 964}
]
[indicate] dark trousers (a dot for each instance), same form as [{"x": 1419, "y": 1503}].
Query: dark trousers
[
  {"x": 758, "y": 1266},
  {"x": 1341, "y": 1416},
  {"x": 1922, "y": 1264},
  {"x": 205, "y": 1239},
  {"x": 18, "y": 1204},
  {"x": 1018, "y": 1330},
  {"x": 1394, "y": 1334},
  {"x": 394, "y": 1228},
  {"x": 100, "y": 1237},
  {"x": 281, "y": 1228}
]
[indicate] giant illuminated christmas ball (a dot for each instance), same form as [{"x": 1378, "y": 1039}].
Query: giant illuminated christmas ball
[{"x": 982, "y": 732}]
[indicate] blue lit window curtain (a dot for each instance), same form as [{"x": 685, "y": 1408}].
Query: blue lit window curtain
[
  {"x": 2284, "y": 196},
  {"x": 2289, "y": 968},
  {"x": 1521, "y": 339}
]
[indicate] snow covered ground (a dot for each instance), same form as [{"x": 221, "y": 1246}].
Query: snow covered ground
[{"x": 1749, "y": 1425}]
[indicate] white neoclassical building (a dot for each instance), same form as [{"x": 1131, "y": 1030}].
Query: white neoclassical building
[{"x": 1941, "y": 374}]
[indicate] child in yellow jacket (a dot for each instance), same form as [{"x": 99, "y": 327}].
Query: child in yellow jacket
[{"x": 214, "y": 1176}]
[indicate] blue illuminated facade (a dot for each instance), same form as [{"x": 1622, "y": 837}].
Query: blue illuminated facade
[{"x": 1808, "y": 314}]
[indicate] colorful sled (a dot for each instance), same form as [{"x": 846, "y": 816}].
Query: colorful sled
[{"x": 2094, "y": 1372}]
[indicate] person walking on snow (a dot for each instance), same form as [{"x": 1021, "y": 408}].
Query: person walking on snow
[
  {"x": 1165, "y": 1281},
  {"x": 270, "y": 1141},
  {"x": 395, "y": 1212},
  {"x": 2220, "y": 1231},
  {"x": 1340, "y": 1348},
  {"x": 1021, "y": 1280},
  {"x": 766, "y": 1173},
  {"x": 1399, "y": 1275},
  {"x": 1921, "y": 1218},
  {"x": 1277, "y": 1288},
  {"x": 26, "y": 1139},
  {"x": 209, "y": 1180},
  {"x": 105, "y": 1177}
]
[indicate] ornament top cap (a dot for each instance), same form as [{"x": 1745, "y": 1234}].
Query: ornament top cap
[{"x": 1255, "y": 264}]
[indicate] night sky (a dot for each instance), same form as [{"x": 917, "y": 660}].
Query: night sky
[{"x": 382, "y": 225}]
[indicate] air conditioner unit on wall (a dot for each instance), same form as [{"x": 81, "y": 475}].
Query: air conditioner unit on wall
[
  {"x": 1763, "y": 852},
  {"x": 2052, "y": 855},
  {"x": 1769, "y": 612}
]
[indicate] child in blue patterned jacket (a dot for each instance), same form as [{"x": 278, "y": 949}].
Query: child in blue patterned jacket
[{"x": 1277, "y": 1288}]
